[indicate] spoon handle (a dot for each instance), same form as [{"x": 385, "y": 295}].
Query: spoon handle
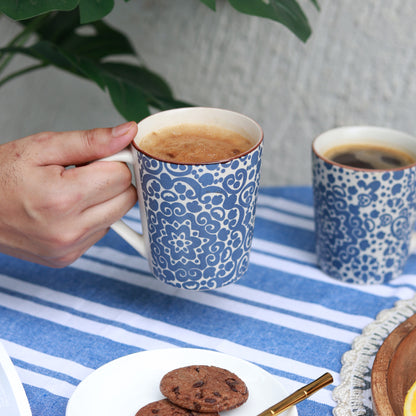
[{"x": 298, "y": 395}]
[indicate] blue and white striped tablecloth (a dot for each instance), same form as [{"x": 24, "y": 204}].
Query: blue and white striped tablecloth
[{"x": 284, "y": 315}]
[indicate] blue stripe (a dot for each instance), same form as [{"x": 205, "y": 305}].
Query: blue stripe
[
  {"x": 340, "y": 298},
  {"x": 60, "y": 341},
  {"x": 43, "y": 403}
]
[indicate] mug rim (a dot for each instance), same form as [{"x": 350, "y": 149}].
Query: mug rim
[
  {"x": 259, "y": 140},
  {"x": 359, "y": 129}
]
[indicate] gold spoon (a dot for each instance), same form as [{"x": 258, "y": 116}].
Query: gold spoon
[{"x": 299, "y": 395}]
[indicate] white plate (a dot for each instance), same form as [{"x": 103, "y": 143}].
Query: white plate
[
  {"x": 13, "y": 400},
  {"x": 123, "y": 386}
]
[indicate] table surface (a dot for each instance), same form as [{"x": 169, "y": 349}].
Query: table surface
[{"x": 285, "y": 315}]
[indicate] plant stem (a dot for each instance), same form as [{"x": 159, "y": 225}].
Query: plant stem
[
  {"x": 20, "y": 39},
  {"x": 21, "y": 72}
]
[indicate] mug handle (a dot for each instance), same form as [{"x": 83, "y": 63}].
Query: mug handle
[{"x": 135, "y": 239}]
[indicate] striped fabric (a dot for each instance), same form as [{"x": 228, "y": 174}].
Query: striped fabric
[{"x": 285, "y": 315}]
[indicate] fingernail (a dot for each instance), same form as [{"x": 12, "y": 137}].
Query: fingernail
[{"x": 122, "y": 129}]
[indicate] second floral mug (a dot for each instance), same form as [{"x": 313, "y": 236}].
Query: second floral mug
[{"x": 364, "y": 217}]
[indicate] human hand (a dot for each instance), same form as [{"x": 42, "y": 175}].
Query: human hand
[{"x": 51, "y": 215}]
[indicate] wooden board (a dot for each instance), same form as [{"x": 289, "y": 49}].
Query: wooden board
[{"x": 394, "y": 370}]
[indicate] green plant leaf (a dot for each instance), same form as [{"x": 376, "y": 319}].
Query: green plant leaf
[
  {"x": 24, "y": 9},
  {"x": 55, "y": 27},
  {"x": 93, "y": 10},
  {"x": 287, "y": 12},
  {"x": 166, "y": 103},
  {"x": 62, "y": 28},
  {"x": 128, "y": 99},
  {"x": 149, "y": 82},
  {"x": 48, "y": 53},
  {"x": 209, "y": 3},
  {"x": 105, "y": 42},
  {"x": 129, "y": 85},
  {"x": 132, "y": 88},
  {"x": 316, "y": 4}
]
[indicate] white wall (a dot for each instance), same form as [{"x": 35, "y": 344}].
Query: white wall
[{"x": 359, "y": 67}]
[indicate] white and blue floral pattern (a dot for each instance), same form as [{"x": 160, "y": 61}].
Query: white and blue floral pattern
[
  {"x": 200, "y": 219},
  {"x": 364, "y": 221}
]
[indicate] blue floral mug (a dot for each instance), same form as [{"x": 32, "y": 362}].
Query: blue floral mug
[
  {"x": 364, "y": 217},
  {"x": 197, "y": 219}
]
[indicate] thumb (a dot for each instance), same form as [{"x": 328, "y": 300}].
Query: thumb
[{"x": 78, "y": 147}]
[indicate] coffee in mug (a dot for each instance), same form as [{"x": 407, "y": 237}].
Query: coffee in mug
[
  {"x": 194, "y": 143},
  {"x": 369, "y": 156}
]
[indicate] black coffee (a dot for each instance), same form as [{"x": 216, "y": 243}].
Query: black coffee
[{"x": 368, "y": 156}]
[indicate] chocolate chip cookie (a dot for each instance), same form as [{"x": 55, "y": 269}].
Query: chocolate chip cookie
[
  {"x": 165, "y": 408},
  {"x": 204, "y": 388}
]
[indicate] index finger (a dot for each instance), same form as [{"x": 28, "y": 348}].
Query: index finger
[{"x": 82, "y": 146}]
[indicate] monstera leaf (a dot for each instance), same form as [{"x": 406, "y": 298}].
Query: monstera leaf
[
  {"x": 90, "y": 10},
  {"x": 133, "y": 88},
  {"x": 287, "y": 12}
]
